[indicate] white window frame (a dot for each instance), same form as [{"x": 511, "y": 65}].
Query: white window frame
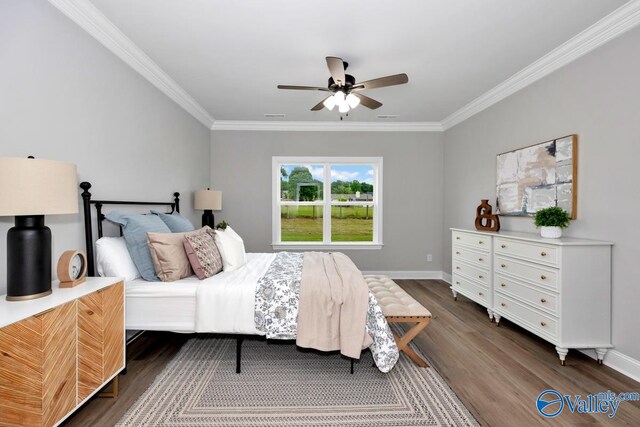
[{"x": 326, "y": 203}]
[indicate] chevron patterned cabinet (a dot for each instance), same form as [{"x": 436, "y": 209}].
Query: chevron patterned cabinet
[{"x": 57, "y": 351}]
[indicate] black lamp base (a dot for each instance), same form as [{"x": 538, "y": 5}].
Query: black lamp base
[
  {"x": 208, "y": 219},
  {"x": 28, "y": 259}
]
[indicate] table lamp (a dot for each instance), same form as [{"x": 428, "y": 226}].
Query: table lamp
[
  {"x": 209, "y": 201},
  {"x": 29, "y": 190}
]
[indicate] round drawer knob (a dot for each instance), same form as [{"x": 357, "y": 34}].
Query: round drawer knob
[
  {"x": 457, "y": 268},
  {"x": 480, "y": 259},
  {"x": 503, "y": 246},
  {"x": 543, "y": 277},
  {"x": 480, "y": 242},
  {"x": 457, "y": 238},
  {"x": 503, "y": 265},
  {"x": 480, "y": 293},
  {"x": 543, "y": 324},
  {"x": 503, "y": 285},
  {"x": 457, "y": 283},
  {"x": 543, "y": 300},
  {"x": 457, "y": 253},
  {"x": 481, "y": 277},
  {"x": 543, "y": 254},
  {"x": 503, "y": 304}
]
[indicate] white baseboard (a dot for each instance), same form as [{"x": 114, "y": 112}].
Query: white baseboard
[
  {"x": 446, "y": 277},
  {"x": 620, "y": 362},
  {"x": 404, "y": 274}
]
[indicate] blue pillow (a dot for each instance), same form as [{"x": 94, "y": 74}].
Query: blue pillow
[
  {"x": 135, "y": 228},
  {"x": 176, "y": 222}
]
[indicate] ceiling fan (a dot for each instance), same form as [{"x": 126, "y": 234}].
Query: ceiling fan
[{"x": 345, "y": 92}]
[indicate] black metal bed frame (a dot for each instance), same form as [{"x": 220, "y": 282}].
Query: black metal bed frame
[{"x": 88, "y": 234}]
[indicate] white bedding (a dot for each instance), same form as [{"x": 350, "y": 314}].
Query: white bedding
[{"x": 223, "y": 303}]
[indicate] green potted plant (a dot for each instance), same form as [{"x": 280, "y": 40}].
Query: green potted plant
[{"x": 551, "y": 221}]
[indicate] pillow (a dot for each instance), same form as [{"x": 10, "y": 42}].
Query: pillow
[
  {"x": 113, "y": 259},
  {"x": 231, "y": 249},
  {"x": 169, "y": 257},
  {"x": 176, "y": 222},
  {"x": 135, "y": 228},
  {"x": 203, "y": 252}
]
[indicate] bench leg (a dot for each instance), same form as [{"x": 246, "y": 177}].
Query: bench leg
[{"x": 403, "y": 341}]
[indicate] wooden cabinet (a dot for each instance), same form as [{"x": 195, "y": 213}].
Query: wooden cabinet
[
  {"x": 558, "y": 289},
  {"x": 57, "y": 351}
]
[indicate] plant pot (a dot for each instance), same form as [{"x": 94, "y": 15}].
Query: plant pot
[{"x": 551, "y": 232}]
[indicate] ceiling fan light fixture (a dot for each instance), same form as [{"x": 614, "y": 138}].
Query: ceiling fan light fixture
[
  {"x": 343, "y": 108},
  {"x": 339, "y": 97},
  {"x": 329, "y": 103},
  {"x": 352, "y": 100}
]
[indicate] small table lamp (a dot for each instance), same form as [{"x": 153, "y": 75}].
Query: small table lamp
[
  {"x": 29, "y": 190},
  {"x": 209, "y": 201}
]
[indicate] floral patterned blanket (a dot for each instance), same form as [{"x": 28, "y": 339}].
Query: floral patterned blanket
[{"x": 276, "y": 309}]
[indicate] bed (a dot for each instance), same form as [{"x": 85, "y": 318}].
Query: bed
[{"x": 234, "y": 302}]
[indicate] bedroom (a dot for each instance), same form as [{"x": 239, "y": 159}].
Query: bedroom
[{"x": 137, "y": 133}]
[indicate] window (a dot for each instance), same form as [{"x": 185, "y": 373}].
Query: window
[{"x": 327, "y": 202}]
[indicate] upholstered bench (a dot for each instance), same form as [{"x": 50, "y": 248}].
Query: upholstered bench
[{"x": 400, "y": 307}]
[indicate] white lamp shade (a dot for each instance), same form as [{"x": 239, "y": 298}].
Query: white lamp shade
[
  {"x": 343, "y": 108},
  {"x": 37, "y": 187},
  {"x": 208, "y": 200},
  {"x": 330, "y": 102},
  {"x": 352, "y": 100}
]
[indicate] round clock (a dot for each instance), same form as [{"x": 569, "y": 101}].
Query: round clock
[{"x": 72, "y": 268}]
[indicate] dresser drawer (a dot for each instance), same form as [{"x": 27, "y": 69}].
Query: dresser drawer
[
  {"x": 545, "y": 277},
  {"x": 532, "y": 319},
  {"x": 470, "y": 289},
  {"x": 547, "y": 301},
  {"x": 476, "y": 241},
  {"x": 469, "y": 255},
  {"x": 543, "y": 254},
  {"x": 479, "y": 274}
]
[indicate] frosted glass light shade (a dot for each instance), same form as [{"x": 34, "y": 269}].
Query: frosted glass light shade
[
  {"x": 330, "y": 102},
  {"x": 339, "y": 97},
  {"x": 37, "y": 187},
  {"x": 343, "y": 108},
  {"x": 352, "y": 100},
  {"x": 208, "y": 200}
]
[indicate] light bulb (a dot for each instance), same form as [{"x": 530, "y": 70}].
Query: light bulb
[
  {"x": 339, "y": 97},
  {"x": 330, "y": 102},
  {"x": 352, "y": 100},
  {"x": 343, "y": 107}
]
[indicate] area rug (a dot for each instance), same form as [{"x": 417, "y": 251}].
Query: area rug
[{"x": 282, "y": 386}]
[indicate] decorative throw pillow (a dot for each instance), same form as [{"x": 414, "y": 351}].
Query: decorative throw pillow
[
  {"x": 231, "y": 249},
  {"x": 176, "y": 222},
  {"x": 113, "y": 259},
  {"x": 203, "y": 252},
  {"x": 135, "y": 228},
  {"x": 169, "y": 256}
]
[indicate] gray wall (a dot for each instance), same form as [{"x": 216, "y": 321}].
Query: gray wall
[
  {"x": 412, "y": 173},
  {"x": 63, "y": 96},
  {"x": 598, "y": 98}
]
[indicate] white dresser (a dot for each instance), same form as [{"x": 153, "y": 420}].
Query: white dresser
[{"x": 558, "y": 289}]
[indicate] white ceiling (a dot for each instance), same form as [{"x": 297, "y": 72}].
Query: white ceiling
[{"x": 230, "y": 55}]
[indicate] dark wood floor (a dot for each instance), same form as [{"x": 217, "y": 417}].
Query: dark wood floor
[{"x": 497, "y": 372}]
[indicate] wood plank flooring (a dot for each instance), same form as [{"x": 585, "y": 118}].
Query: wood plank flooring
[{"x": 497, "y": 372}]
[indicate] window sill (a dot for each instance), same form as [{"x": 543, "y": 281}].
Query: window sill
[{"x": 328, "y": 246}]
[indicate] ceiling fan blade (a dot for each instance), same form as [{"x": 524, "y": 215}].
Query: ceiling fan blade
[
  {"x": 336, "y": 68},
  {"x": 320, "y": 105},
  {"x": 368, "y": 102},
  {"x": 324, "y": 89},
  {"x": 396, "y": 79}
]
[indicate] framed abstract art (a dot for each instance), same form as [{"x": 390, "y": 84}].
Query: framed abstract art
[{"x": 537, "y": 177}]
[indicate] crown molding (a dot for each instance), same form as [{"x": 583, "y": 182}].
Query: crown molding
[
  {"x": 337, "y": 126},
  {"x": 89, "y": 18},
  {"x": 611, "y": 26}
]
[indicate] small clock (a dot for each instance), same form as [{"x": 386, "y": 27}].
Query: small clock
[{"x": 72, "y": 268}]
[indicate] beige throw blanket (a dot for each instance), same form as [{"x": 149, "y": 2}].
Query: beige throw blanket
[{"x": 333, "y": 305}]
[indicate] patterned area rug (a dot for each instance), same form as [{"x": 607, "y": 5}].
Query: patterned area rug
[{"x": 282, "y": 386}]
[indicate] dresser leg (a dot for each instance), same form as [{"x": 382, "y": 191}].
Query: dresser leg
[
  {"x": 601, "y": 352},
  {"x": 490, "y": 314},
  {"x": 562, "y": 353},
  {"x": 496, "y": 318},
  {"x": 114, "y": 389},
  {"x": 455, "y": 295}
]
